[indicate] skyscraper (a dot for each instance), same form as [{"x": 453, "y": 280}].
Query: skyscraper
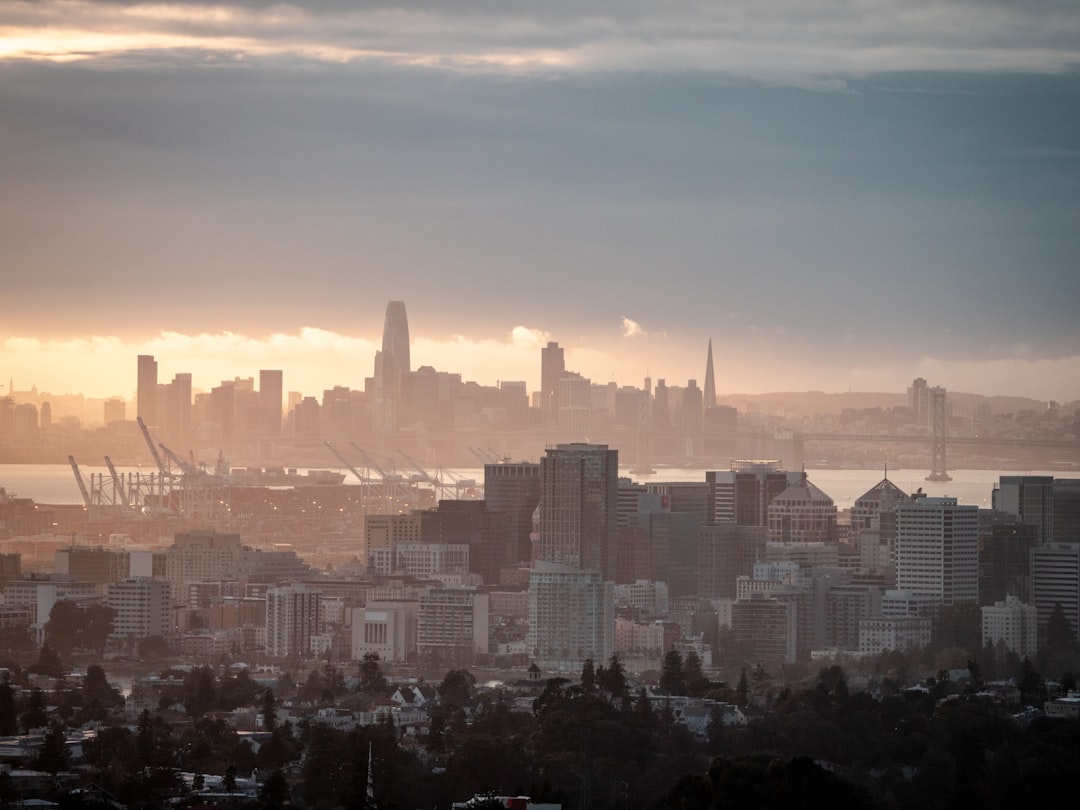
[
  {"x": 552, "y": 366},
  {"x": 710, "y": 380},
  {"x": 395, "y": 347},
  {"x": 514, "y": 489},
  {"x": 1055, "y": 580},
  {"x": 1031, "y": 499},
  {"x": 937, "y": 549},
  {"x": 270, "y": 388},
  {"x": 579, "y": 507},
  {"x": 146, "y": 392},
  {"x": 571, "y": 617}
]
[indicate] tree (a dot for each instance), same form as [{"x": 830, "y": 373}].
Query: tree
[
  {"x": 1030, "y": 683},
  {"x": 152, "y": 647},
  {"x": 671, "y": 673},
  {"x": 274, "y": 792},
  {"x": 8, "y": 720},
  {"x": 48, "y": 662},
  {"x": 96, "y": 687},
  {"x": 53, "y": 755},
  {"x": 588, "y": 676},
  {"x": 71, "y": 626},
  {"x": 269, "y": 711},
  {"x": 35, "y": 715},
  {"x": 229, "y": 781},
  {"x": 372, "y": 679},
  {"x": 742, "y": 688},
  {"x": 200, "y": 691},
  {"x": 612, "y": 679},
  {"x": 1059, "y": 635},
  {"x": 456, "y": 687},
  {"x": 693, "y": 675}
]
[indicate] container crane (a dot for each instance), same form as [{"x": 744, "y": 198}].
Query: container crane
[
  {"x": 79, "y": 480},
  {"x": 164, "y": 470},
  {"x": 118, "y": 484},
  {"x": 347, "y": 463}
]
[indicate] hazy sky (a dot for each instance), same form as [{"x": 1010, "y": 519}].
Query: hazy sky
[{"x": 842, "y": 195}]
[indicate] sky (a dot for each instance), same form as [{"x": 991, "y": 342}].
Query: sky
[{"x": 840, "y": 194}]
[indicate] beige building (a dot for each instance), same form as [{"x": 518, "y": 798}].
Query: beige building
[{"x": 1013, "y": 623}]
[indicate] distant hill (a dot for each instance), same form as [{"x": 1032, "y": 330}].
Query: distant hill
[{"x": 808, "y": 403}]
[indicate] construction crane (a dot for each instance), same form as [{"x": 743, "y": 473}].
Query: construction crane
[
  {"x": 118, "y": 484},
  {"x": 79, "y": 480}
]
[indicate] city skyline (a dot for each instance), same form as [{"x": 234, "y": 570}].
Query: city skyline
[{"x": 841, "y": 197}]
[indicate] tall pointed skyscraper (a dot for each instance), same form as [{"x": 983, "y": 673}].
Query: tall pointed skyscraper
[
  {"x": 395, "y": 346},
  {"x": 709, "y": 398}
]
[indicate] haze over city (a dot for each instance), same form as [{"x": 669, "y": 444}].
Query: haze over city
[{"x": 842, "y": 197}]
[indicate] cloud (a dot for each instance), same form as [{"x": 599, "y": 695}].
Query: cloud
[
  {"x": 782, "y": 40},
  {"x": 631, "y": 328},
  {"x": 529, "y": 338}
]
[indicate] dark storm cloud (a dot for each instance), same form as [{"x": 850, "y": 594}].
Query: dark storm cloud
[
  {"x": 559, "y": 165},
  {"x": 923, "y": 219}
]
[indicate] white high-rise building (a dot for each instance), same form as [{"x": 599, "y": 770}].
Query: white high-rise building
[
  {"x": 937, "y": 549},
  {"x": 1014, "y": 623},
  {"x": 292, "y": 619},
  {"x": 571, "y": 617},
  {"x": 141, "y": 608},
  {"x": 452, "y": 626}
]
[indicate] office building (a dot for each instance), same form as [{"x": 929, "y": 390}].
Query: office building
[
  {"x": 115, "y": 410},
  {"x": 574, "y": 395},
  {"x": 937, "y": 549},
  {"x": 201, "y": 556},
  {"x": 919, "y": 401},
  {"x": 727, "y": 551},
  {"x": 471, "y": 524},
  {"x": 427, "y": 560},
  {"x": 802, "y": 513},
  {"x": 873, "y": 523},
  {"x": 1005, "y": 559},
  {"x": 452, "y": 626},
  {"x": 177, "y": 416},
  {"x": 742, "y": 494},
  {"x": 579, "y": 507},
  {"x": 885, "y": 633},
  {"x": 292, "y": 620},
  {"x": 571, "y": 617},
  {"x": 140, "y": 608},
  {"x": 270, "y": 393},
  {"x": 552, "y": 367},
  {"x": 766, "y": 628},
  {"x": 1012, "y": 623},
  {"x": 513, "y": 489},
  {"x": 396, "y": 360},
  {"x": 92, "y": 564},
  {"x": 709, "y": 394},
  {"x": 386, "y": 627},
  {"x": 146, "y": 391},
  {"x": 721, "y": 423},
  {"x": 1055, "y": 580},
  {"x": 1030, "y": 499},
  {"x": 384, "y": 532},
  {"x": 1067, "y": 510}
]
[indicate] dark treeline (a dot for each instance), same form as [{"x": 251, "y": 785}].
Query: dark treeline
[{"x": 595, "y": 742}]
